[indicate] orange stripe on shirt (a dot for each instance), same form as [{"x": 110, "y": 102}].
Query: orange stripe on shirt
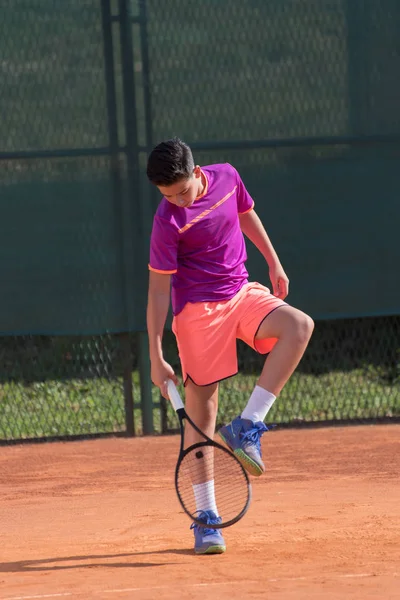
[
  {"x": 204, "y": 192},
  {"x": 206, "y": 212},
  {"x": 247, "y": 211},
  {"x": 162, "y": 272}
]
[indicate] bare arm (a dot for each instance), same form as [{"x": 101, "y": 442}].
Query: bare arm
[
  {"x": 253, "y": 228},
  {"x": 157, "y": 311}
]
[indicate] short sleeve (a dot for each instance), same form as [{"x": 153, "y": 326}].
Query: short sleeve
[
  {"x": 245, "y": 202},
  {"x": 163, "y": 247}
]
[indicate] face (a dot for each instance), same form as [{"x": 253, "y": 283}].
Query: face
[{"x": 185, "y": 191}]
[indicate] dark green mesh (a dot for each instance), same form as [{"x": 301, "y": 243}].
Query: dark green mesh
[
  {"x": 60, "y": 386},
  {"x": 52, "y": 85},
  {"x": 301, "y": 96},
  {"x": 260, "y": 69},
  {"x": 69, "y": 386}
]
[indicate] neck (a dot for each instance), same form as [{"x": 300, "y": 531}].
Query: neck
[{"x": 202, "y": 185}]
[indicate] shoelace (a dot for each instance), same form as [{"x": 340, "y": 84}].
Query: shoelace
[
  {"x": 254, "y": 434},
  {"x": 203, "y": 516}
]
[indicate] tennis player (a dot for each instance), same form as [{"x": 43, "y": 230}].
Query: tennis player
[{"x": 197, "y": 244}]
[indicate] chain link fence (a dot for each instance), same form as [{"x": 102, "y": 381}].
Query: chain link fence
[
  {"x": 57, "y": 387},
  {"x": 302, "y": 97},
  {"x": 74, "y": 386},
  {"x": 257, "y": 70},
  {"x": 273, "y": 69},
  {"x": 52, "y": 81},
  {"x": 71, "y": 386}
]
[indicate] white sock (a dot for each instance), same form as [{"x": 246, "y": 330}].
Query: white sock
[
  {"x": 204, "y": 494},
  {"x": 258, "y": 405}
]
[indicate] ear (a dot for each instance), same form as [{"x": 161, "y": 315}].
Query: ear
[{"x": 197, "y": 171}]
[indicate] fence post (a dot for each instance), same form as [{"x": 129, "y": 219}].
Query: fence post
[
  {"x": 115, "y": 173},
  {"x": 147, "y": 408},
  {"x": 134, "y": 190},
  {"x": 145, "y": 383}
]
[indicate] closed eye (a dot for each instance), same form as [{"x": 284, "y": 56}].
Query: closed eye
[{"x": 180, "y": 194}]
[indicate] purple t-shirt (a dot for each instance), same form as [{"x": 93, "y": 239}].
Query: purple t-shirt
[{"x": 202, "y": 246}]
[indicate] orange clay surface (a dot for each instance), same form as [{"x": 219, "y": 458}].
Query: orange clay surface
[{"x": 100, "y": 519}]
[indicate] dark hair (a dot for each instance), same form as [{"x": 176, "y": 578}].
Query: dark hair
[{"x": 170, "y": 162}]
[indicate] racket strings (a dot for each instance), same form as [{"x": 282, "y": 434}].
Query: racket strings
[{"x": 218, "y": 479}]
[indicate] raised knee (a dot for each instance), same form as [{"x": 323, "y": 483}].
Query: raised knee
[
  {"x": 300, "y": 328},
  {"x": 287, "y": 323},
  {"x": 304, "y": 328}
]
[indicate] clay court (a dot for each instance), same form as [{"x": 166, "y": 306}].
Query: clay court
[{"x": 100, "y": 519}]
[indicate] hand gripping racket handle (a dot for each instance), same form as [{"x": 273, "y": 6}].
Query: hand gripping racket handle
[{"x": 174, "y": 396}]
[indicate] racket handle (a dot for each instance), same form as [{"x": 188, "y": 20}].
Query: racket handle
[{"x": 174, "y": 396}]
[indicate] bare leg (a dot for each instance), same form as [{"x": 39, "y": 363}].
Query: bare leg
[
  {"x": 201, "y": 406},
  {"x": 293, "y": 329}
]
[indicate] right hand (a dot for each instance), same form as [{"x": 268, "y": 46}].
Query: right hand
[{"x": 161, "y": 371}]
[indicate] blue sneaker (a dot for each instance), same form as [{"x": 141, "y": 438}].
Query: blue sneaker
[
  {"x": 242, "y": 436},
  {"x": 208, "y": 540}
]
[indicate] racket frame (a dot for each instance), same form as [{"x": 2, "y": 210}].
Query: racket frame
[{"x": 179, "y": 408}]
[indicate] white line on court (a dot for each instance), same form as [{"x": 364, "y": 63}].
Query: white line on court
[{"x": 194, "y": 585}]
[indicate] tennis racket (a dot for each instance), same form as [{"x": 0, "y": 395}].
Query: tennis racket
[{"x": 209, "y": 462}]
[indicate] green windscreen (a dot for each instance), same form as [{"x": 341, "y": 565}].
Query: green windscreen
[{"x": 302, "y": 97}]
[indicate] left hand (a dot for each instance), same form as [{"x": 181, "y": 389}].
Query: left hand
[{"x": 279, "y": 280}]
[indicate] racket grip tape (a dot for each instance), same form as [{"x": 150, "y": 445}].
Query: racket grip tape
[{"x": 174, "y": 396}]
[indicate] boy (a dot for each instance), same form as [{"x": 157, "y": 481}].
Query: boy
[{"x": 197, "y": 242}]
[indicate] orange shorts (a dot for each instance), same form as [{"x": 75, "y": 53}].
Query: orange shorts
[{"x": 206, "y": 333}]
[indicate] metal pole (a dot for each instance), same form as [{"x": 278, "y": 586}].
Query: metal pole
[
  {"x": 144, "y": 48},
  {"x": 115, "y": 173},
  {"x": 145, "y": 383},
  {"x": 127, "y": 383},
  {"x": 132, "y": 152},
  {"x": 144, "y": 45},
  {"x": 144, "y": 38}
]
